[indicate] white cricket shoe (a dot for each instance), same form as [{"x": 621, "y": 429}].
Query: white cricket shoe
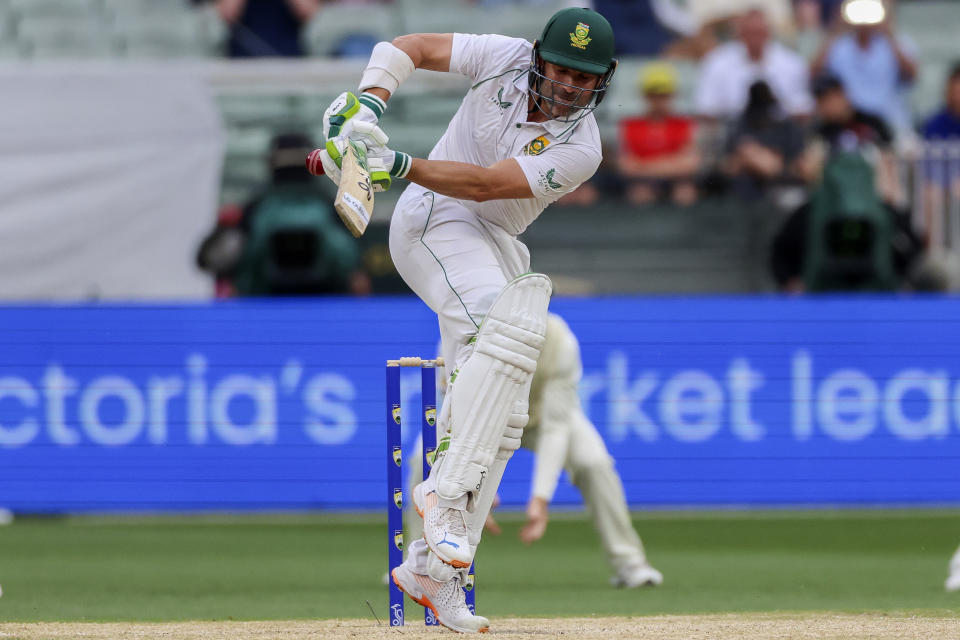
[
  {"x": 445, "y": 599},
  {"x": 444, "y": 529},
  {"x": 953, "y": 580},
  {"x": 637, "y": 575}
]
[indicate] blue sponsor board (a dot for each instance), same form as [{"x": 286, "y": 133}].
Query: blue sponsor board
[{"x": 280, "y": 404}]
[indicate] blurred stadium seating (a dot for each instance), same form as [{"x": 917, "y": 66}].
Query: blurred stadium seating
[{"x": 259, "y": 99}]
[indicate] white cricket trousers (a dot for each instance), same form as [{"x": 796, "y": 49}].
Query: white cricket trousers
[{"x": 454, "y": 261}]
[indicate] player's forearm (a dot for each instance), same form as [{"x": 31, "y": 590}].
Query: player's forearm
[
  {"x": 468, "y": 181},
  {"x": 430, "y": 51},
  {"x": 906, "y": 65}
]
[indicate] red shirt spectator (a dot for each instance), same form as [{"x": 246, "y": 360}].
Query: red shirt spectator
[
  {"x": 646, "y": 138},
  {"x": 658, "y": 157}
]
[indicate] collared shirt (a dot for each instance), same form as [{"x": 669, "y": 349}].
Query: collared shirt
[
  {"x": 727, "y": 73},
  {"x": 872, "y": 77},
  {"x": 491, "y": 125}
]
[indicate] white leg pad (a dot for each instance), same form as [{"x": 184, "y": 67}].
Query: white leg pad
[{"x": 487, "y": 386}]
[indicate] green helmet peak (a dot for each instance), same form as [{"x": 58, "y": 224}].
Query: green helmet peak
[{"x": 578, "y": 38}]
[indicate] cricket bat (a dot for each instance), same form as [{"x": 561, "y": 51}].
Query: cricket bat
[{"x": 354, "y": 202}]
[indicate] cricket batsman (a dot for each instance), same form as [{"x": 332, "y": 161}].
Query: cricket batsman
[{"x": 523, "y": 136}]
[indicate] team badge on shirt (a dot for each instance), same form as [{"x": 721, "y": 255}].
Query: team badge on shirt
[
  {"x": 579, "y": 37},
  {"x": 535, "y": 146}
]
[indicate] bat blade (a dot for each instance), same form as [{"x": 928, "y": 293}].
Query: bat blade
[{"x": 354, "y": 202}]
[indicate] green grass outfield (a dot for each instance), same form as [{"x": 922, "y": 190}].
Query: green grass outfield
[{"x": 284, "y": 567}]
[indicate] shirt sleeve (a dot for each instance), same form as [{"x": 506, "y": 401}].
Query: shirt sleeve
[
  {"x": 707, "y": 99},
  {"x": 480, "y": 56},
  {"x": 909, "y": 48},
  {"x": 559, "y": 170},
  {"x": 798, "y": 101}
]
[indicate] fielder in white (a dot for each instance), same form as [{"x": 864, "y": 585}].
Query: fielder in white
[
  {"x": 953, "y": 580},
  {"x": 524, "y": 136},
  {"x": 562, "y": 437}
]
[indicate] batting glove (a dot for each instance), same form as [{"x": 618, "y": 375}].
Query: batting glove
[
  {"x": 347, "y": 109},
  {"x": 397, "y": 163},
  {"x": 328, "y": 161}
]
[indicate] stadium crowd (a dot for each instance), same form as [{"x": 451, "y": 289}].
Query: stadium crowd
[
  {"x": 788, "y": 95},
  {"x": 747, "y": 101}
]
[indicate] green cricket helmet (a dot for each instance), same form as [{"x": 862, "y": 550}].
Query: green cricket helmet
[{"x": 579, "y": 39}]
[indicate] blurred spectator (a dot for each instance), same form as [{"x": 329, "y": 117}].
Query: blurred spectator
[
  {"x": 808, "y": 17},
  {"x": 549, "y": 4},
  {"x": 763, "y": 147},
  {"x": 842, "y": 127},
  {"x": 717, "y": 16},
  {"x": 941, "y": 163},
  {"x": 355, "y": 45},
  {"x": 729, "y": 70},
  {"x": 266, "y": 28},
  {"x": 945, "y": 125},
  {"x": 287, "y": 240},
  {"x": 875, "y": 66},
  {"x": 818, "y": 12},
  {"x": 862, "y": 239},
  {"x": 658, "y": 155},
  {"x": 645, "y": 27}
]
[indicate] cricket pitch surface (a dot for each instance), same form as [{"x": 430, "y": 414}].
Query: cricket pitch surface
[{"x": 823, "y": 626}]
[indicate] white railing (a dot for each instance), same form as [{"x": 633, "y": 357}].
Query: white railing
[{"x": 936, "y": 194}]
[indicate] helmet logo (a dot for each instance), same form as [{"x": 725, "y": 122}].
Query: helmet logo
[{"x": 579, "y": 38}]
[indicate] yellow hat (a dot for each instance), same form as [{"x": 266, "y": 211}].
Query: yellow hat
[{"x": 658, "y": 78}]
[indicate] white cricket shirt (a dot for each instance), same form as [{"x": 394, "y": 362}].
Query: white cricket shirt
[{"x": 491, "y": 125}]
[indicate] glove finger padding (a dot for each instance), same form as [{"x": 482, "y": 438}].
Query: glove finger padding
[
  {"x": 319, "y": 162},
  {"x": 348, "y": 107},
  {"x": 368, "y": 134},
  {"x": 344, "y": 107}
]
